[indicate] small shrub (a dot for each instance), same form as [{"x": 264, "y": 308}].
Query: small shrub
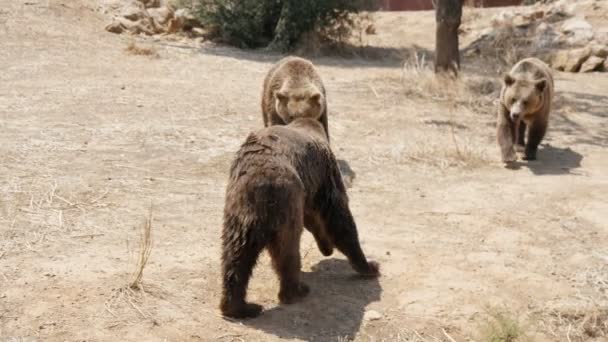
[
  {"x": 279, "y": 24},
  {"x": 502, "y": 327}
]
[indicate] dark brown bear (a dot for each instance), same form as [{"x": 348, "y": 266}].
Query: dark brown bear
[
  {"x": 293, "y": 89},
  {"x": 284, "y": 178},
  {"x": 525, "y": 104}
]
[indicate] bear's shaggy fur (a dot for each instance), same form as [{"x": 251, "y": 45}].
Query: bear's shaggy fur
[
  {"x": 284, "y": 178},
  {"x": 525, "y": 103},
  {"x": 293, "y": 89}
]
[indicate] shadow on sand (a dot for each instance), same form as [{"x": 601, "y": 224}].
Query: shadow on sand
[
  {"x": 334, "y": 308},
  {"x": 551, "y": 161},
  {"x": 346, "y": 57}
]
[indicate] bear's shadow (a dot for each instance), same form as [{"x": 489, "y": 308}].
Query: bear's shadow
[
  {"x": 333, "y": 309},
  {"x": 552, "y": 160}
]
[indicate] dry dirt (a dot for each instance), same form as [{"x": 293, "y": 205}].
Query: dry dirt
[{"x": 92, "y": 135}]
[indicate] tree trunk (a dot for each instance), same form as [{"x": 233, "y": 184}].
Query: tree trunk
[{"x": 447, "y": 19}]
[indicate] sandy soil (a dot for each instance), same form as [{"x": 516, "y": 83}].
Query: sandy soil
[{"x": 91, "y": 136}]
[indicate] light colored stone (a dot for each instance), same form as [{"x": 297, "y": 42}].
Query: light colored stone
[
  {"x": 161, "y": 15},
  {"x": 571, "y": 60},
  {"x": 545, "y": 36},
  {"x": 599, "y": 50},
  {"x": 115, "y": 27},
  {"x": 133, "y": 11},
  {"x": 372, "y": 315},
  {"x": 576, "y": 24},
  {"x": 576, "y": 58},
  {"x": 578, "y": 31},
  {"x": 502, "y": 18},
  {"x": 592, "y": 63}
]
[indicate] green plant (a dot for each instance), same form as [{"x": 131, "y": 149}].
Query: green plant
[{"x": 279, "y": 24}]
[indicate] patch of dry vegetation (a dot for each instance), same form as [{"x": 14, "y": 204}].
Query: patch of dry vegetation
[
  {"x": 584, "y": 317},
  {"x": 137, "y": 50},
  {"x": 145, "y": 248},
  {"x": 502, "y": 326},
  {"x": 463, "y": 99},
  {"x": 475, "y": 93}
]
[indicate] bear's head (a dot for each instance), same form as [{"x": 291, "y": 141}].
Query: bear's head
[
  {"x": 301, "y": 102},
  {"x": 523, "y": 96}
]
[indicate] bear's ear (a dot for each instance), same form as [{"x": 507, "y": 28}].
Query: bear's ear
[
  {"x": 508, "y": 79},
  {"x": 281, "y": 96},
  {"x": 541, "y": 85}
]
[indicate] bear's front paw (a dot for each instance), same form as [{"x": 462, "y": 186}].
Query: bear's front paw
[{"x": 509, "y": 156}]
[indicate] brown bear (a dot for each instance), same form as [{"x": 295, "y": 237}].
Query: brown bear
[
  {"x": 525, "y": 103},
  {"x": 292, "y": 89},
  {"x": 284, "y": 178}
]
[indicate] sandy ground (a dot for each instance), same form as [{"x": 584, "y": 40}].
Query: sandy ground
[{"x": 91, "y": 136}]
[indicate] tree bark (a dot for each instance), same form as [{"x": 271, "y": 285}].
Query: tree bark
[{"x": 447, "y": 19}]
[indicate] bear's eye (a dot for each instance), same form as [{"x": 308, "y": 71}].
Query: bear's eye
[{"x": 525, "y": 102}]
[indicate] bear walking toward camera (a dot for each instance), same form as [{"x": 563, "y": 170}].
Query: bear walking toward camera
[
  {"x": 524, "y": 106},
  {"x": 293, "y": 89},
  {"x": 284, "y": 178}
]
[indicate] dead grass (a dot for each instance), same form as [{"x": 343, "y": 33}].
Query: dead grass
[
  {"x": 475, "y": 93},
  {"x": 145, "y": 248},
  {"x": 404, "y": 335},
  {"x": 134, "y": 49},
  {"x": 502, "y": 326}
]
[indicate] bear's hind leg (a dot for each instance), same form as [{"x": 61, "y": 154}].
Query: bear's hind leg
[
  {"x": 313, "y": 223},
  {"x": 237, "y": 265},
  {"x": 284, "y": 251}
]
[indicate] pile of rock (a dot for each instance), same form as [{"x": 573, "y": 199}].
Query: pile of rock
[
  {"x": 593, "y": 57},
  {"x": 554, "y": 32},
  {"x": 148, "y": 17}
]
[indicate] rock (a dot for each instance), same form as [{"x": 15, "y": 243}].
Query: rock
[
  {"x": 115, "y": 27},
  {"x": 576, "y": 24},
  {"x": 593, "y": 63},
  {"x": 133, "y": 11},
  {"x": 198, "y": 32},
  {"x": 161, "y": 15},
  {"x": 599, "y": 50},
  {"x": 521, "y": 21},
  {"x": 151, "y": 3},
  {"x": 502, "y": 18},
  {"x": 372, "y": 315},
  {"x": 188, "y": 19},
  {"x": 570, "y": 61},
  {"x": 601, "y": 35},
  {"x": 546, "y": 36},
  {"x": 577, "y": 30},
  {"x": 560, "y": 59}
]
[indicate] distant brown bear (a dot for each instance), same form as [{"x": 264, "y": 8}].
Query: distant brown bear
[
  {"x": 525, "y": 103},
  {"x": 293, "y": 89},
  {"x": 284, "y": 178}
]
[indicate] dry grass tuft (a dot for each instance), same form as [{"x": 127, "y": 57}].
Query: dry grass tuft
[
  {"x": 145, "y": 248},
  {"x": 475, "y": 93},
  {"x": 405, "y": 335},
  {"x": 137, "y": 50},
  {"x": 502, "y": 326}
]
